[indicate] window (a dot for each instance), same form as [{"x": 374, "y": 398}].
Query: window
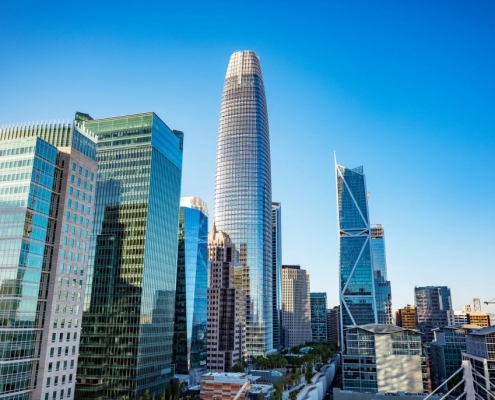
[
  {"x": 65, "y": 365},
  {"x": 66, "y": 228},
  {"x": 56, "y": 381},
  {"x": 72, "y": 178},
  {"x": 48, "y": 380},
  {"x": 92, "y": 176},
  {"x": 52, "y": 351},
  {"x": 71, "y": 364},
  {"x": 54, "y": 336},
  {"x": 67, "y": 338},
  {"x": 89, "y": 199},
  {"x": 73, "y": 350},
  {"x": 77, "y": 193},
  {"x": 83, "y": 196},
  {"x": 76, "y": 205},
  {"x": 80, "y": 170},
  {"x": 90, "y": 187},
  {"x": 78, "y": 181},
  {"x": 85, "y": 173},
  {"x": 85, "y": 184},
  {"x": 71, "y": 190},
  {"x": 67, "y": 351},
  {"x": 75, "y": 336},
  {"x": 59, "y": 352},
  {"x": 61, "y": 267},
  {"x": 55, "y": 322},
  {"x": 50, "y": 365},
  {"x": 67, "y": 215},
  {"x": 61, "y": 336},
  {"x": 63, "y": 379},
  {"x": 69, "y": 202},
  {"x": 70, "y": 378},
  {"x": 73, "y": 166}
]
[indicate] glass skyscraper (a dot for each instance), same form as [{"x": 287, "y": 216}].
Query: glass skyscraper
[
  {"x": 382, "y": 285},
  {"x": 357, "y": 288},
  {"x": 192, "y": 285},
  {"x": 47, "y": 177},
  {"x": 128, "y": 323},
  {"x": 318, "y": 302},
  {"x": 243, "y": 194}
]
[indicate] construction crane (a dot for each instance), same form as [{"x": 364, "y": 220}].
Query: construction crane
[{"x": 492, "y": 301}]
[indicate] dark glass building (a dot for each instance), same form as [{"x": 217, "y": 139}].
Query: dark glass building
[
  {"x": 318, "y": 303},
  {"x": 191, "y": 295},
  {"x": 128, "y": 323},
  {"x": 47, "y": 174},
  {"x": 243, "y": 193}
]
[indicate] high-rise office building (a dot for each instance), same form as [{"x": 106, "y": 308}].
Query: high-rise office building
[
  {"x": 226, "y": 337},
  {"x": 296, "y": 310},
  {"x": 191, "y": 290},
  {"x": 318, "y": 304},
  {"x": 47, "y": 182},
  {"x": 333, "y": 322},
  {"x": 383, "y": 291},
  {"x": 357, "y": 284},
  {"x": 243, "y": 194},
  {"x": 433, "y": 306},
  {"x": 128, "y": 322},
  {"x": 406, "y": 317},
  {"x": 277, "y": 274}
]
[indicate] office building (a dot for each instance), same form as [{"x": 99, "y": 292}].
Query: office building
[
  {"x": 226, "y": 336},
  {"x": 480, "y": 351},
  {"x": 318, "y": 305},
  {"x": 446, "y": 351},
  {"x": 243, "y": 194},
  {"x": 333, "y": 322},
  {"x": 357, "y": 276},
  {"x": 433, "y": 306},
  {"x": 296, "y": 314},
  {"x": 191, "y": 290},
  {"x": 47, "y": 182},
  {"x": 277, "y": 274},
  {"x": 382, "y": 358},
  {"x": 406, "y": 317},
  {"x": 128, "y": 322},
  {"x": 383, "y": 291}
]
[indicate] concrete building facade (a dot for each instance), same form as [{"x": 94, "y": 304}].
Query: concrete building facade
[{"x": 296, "y": 314}]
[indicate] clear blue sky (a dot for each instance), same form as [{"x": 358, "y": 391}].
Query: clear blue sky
[{"x": 406, "y": 89}]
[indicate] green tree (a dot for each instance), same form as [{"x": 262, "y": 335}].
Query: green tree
[
  {"x": 309, "y": 373},
  {"x": 145, "y": 395}
]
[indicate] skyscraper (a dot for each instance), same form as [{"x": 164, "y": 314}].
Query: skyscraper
[
  {"x": 433, "y": 306},
  {"x": 127, "y": 331},
  {"x": 318, "y": 302},
  {"x": 357, "y": 288},
  {"x": 296, "y": 308},
  {"x": 191, "y": 290},
  {"x": 47, "y": 182},
  {"x": 243, "y": 193},
  {"x": 277, "y": 274},
  {"x": 226, "y": 304},
  {"x": 383, "y": 291}
]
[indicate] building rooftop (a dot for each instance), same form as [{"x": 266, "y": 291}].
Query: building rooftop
[
  {"x": 382, "y": 328},
  {"x": 484, "y": 331}
]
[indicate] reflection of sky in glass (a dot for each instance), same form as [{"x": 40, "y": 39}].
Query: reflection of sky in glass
[
  {"x": 133, "y": 263},
  {"x": 243, "y": 190}
]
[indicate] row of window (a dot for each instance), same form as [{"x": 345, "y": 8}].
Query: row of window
[
  {"x": 80, "y": 171},
  {"x": 61, "y": 337},
  {"x": 62, "y": 394},
  {"x": 59, "y": 351}
]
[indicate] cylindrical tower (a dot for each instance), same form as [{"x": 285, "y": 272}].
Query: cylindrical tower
[{"x": 243, "y": 193}]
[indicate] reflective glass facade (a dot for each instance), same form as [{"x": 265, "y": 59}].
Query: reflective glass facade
[
  {"x": 243, "y": 190},
  {"x": 383, "y": 291},
  {"x": 127, "y": 333},
  {"x": 46, "y": 184},
  {"x": 27, "y": 177},
  {"x": 433, "y": 306},
  {"x": 277, "y": 274},
  {"x": 319, "y": 316},
  {"x": 192, "y": 284},
  {"x": 357, "y": 289}
]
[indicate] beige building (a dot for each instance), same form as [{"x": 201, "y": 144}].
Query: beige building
[
  {"x": 226, "y": 337},
  {"x": 296, "y": 310}
]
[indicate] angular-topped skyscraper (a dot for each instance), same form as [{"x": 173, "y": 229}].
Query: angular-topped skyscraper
[
  {"x": 243, "y": 193},
  {"x": 357, "y": 289}
]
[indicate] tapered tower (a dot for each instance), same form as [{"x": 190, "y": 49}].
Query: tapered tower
[{"x": 243, "y": 193}]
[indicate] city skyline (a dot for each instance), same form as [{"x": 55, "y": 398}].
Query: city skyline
[{"x": 404, "y": 91}]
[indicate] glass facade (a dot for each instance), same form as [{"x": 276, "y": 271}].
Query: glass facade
[
  {"x": 357, "y": 289},
  {"x": 127, "y": 332},
  {"x": 191, "y": 295},
  {"x": 319, "y": 316},
  {"x": 27, "y": 181},
  {"x": 45, "y": 187},
  {"x": 277, "y": 274},
  {"x": 383, "y": 291},
  {"x": 243, "y": 204}
]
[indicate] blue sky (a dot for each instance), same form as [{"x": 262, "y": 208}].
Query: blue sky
[{"x": 405, "y": 89}]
